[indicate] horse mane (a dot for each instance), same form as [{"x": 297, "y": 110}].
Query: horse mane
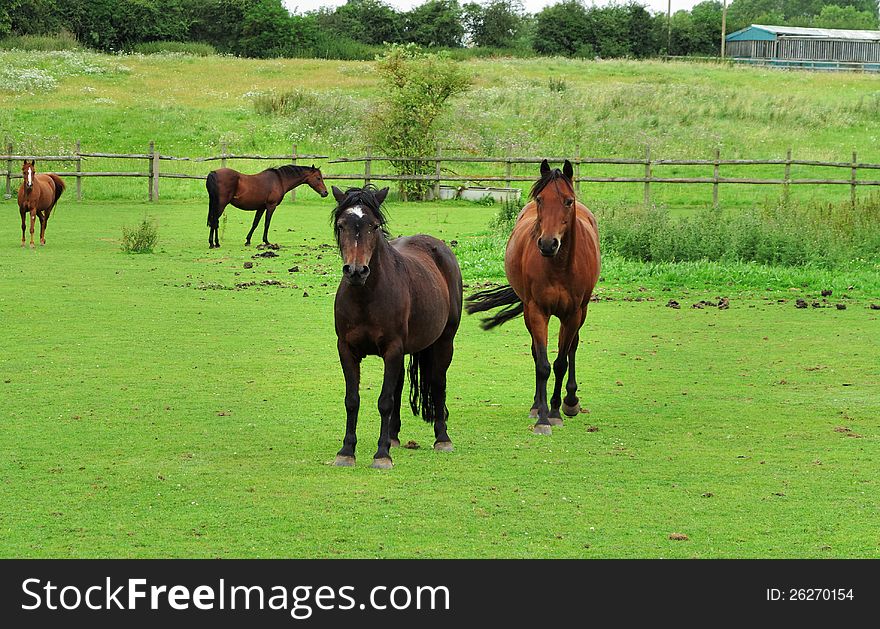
[
  {"x": 291, "y": 169},
  {"x": 546, "y": 178},
  {"x": 365, "y": 197}
]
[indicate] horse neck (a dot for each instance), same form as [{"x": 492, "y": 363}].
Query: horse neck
[{"x": 291, "y": 181}]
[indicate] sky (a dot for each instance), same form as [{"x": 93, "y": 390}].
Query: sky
[{"x": 531, "y": 6}]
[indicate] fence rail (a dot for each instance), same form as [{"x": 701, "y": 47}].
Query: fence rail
[{"x": 434, "y": 172}]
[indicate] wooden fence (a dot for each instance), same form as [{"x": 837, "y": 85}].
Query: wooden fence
[{"x": 437, "y": 174}]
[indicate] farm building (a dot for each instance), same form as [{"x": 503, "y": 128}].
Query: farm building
[{"x": 816, "y": 48}]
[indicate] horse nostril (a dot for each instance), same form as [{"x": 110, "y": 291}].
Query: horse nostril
[
  {"x": 346, "y": 269},
  {"x": 555, "y": 243},
  {"x": 365, "y": 271}
]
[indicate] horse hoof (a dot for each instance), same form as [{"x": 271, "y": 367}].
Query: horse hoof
[
  {"x": 395, "y": 443},
  {"x": 533, "y": 413},
  {"x": 443, "y": 446},
  {"x": 542, "y": 429},
  {"x": 383, "y": 463},
  {"x": 343, "y": 461},
  {"x": 555, "y": 420},
  {"x": 571, "y": 411}
]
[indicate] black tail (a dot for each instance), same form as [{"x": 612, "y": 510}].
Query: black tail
[
  {"x": 213, "y": 200},
  {"x": 421, "y": 396},
  {"x": 492, "y": 298}
]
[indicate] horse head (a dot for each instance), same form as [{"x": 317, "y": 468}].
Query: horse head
[
  {"x": 28, "y": 170},
  {"x": 359, "y": 225},
  {"x": 553, "y": 194},
  {"x": 316, "y": 181}
]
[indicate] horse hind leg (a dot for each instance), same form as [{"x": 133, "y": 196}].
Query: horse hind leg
[
  {"x": 44, "y": 220},
  {"x": 568, "y": 337},
  {"x": 441, "y": 358},
  {"x": 571, "y": 404},
  {"x": 23, "y": 227},
  {"x": 395, "y": 412},
  {"x": 257, "y": 217}
]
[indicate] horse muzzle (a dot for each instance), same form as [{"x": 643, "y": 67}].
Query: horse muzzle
[
  {"x": 548, "y": 247},
  {"x": 356, "y": 274},
  {"x": 323, "y": 194}
]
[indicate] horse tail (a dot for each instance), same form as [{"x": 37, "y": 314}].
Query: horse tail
[
  {"x": 59, "y": 187},
  {"x": 492, "y": 298},
  {"x": 213, "y": 200},
  {"x": 421, "y": 396}
]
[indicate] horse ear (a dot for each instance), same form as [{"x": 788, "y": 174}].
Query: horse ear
[
  {"x": 545, "y": 168},
  {"x": 381, "y": 194},
  {"x": 567, "y": 170},
  {"x": 338, "y": 194}
]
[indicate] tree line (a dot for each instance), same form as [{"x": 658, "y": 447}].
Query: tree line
[{"x": 355, "y": 30}]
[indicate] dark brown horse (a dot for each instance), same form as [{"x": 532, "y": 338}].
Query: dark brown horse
[
  {"x": 255, "y": 193},
  {"x": 37, "y": 195},
  {"x": 396, "y": 297},
  {"x": 552, "y": 264}
]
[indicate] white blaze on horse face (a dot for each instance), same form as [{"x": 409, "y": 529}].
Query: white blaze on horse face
[
  {"x": 357, "y": 210},
  {"x": 30, "y": 177}
]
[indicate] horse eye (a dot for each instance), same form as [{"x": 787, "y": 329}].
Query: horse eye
[{"x": 569, "y": 202}]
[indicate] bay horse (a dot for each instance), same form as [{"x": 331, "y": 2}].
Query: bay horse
[
  {"x": 37, "y": 196},
  {"x": 255, "y": 193},
  {"x": 396, "y": 297},
  {"x": 552, "y": 263}
]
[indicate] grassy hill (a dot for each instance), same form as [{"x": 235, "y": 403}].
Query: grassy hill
[{"x": 190, "y": 105}]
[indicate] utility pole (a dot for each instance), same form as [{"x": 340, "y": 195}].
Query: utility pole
[{"x": 723, "y": 28}]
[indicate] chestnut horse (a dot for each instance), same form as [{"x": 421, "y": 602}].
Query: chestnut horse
[
  {"x": 37, "y": 195},
  {"x": 396, "y": 297},
  {"x": 552, "y": 264},
  {"x": 260, "y": 193}
]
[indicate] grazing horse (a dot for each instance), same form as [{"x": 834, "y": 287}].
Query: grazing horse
[
  {"x": 37, "y": 195},
  {"x": 552, "y": 264},
  {"x": 261, "y": 193},
  {"x": 396, "y": 297}
]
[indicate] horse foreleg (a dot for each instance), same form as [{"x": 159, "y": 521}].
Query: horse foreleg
[
  {"x": 23, "y": 227},
  {"x": 43, "y": 221},
  {"x": 395, "y": 413},
  {"x": 568, "y": 336},
  {"x": 257, "y": 217},
  {"x": 351, "y": 369},
  {"x": 270, "y": 210},
  {"x": 393, "y": 369},
  {"x": 33, "y": 220},
  {"x": 536, "y": 323}
]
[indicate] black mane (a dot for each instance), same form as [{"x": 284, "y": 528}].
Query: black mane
[
  {"x": 546, "y": 178},
  {"x": 365, "y": 197}
]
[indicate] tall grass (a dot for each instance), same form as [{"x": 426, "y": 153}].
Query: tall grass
[
  {"x": 62, "y": 41},
  {"x": 784, "y": 234},
  {"x": 197, "y": 49}
]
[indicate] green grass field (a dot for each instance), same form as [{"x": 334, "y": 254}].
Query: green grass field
[
  {"x": 191, "y": 105},
  {"x": 152, "y": 408}
]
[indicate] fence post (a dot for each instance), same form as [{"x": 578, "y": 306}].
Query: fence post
[
  {"x": 437, "y": 172},
  {"x": 293, "y": 161},
  {"x": 647, "y": 175},
  {"x": 8, "y": 169},
  {"x": 79, "y": 160},
  {"x": 715, "y": 177},
  {"x": 853, "y": 184},
  {"x": 786, "y": 190},
  {"x": 223, "y": 153},
  {"x": 368, "y": 166},
  {"x": 154, "y": 172},
  {"x": 577, "y": 172},
  {"x": 507, "y": 169}
]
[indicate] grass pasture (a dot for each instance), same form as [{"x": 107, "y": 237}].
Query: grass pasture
[{"x": 153, "y": 408}]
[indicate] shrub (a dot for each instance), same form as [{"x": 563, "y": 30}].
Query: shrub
[
  {"x": 140, "y": 239},
  {"x": 196, "y": 49}
]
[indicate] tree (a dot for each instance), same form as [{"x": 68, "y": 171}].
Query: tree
[
  {"x": 561, "y": 29},
  {"x": 367, "y": 21},
  {"x": 267, "y": 31},
  {"x": 416, "y": 86},
  {"x": 845, "y": 17},
  {"x": 496, "y": 24},
  {"x": 435, "y": 23}
]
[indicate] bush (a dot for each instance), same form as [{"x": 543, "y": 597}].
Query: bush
[
  {"x": 196, "y": 49},
  {"x": 140, "y": 239}
]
